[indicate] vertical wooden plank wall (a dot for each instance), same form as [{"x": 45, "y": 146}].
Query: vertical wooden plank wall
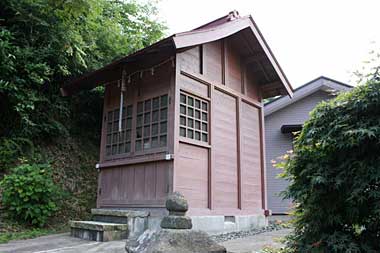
[
  {"x": 136, "y": 181},
  {"x": 225, "y": 161},
  {"x": 225, "y": 175},
  {"x": 191, "y": 161},
  {"x": 250, "y": 136},
  {"x": 135, "y": 185}
]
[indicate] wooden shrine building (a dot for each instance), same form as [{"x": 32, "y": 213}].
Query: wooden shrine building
[{"x": 185, "y": 114}]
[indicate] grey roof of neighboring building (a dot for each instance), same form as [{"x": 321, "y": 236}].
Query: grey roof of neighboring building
[{"x": 320, "y": 83}]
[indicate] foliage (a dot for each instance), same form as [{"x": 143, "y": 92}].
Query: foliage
[
  {"x": 29, "y": 193},
  {"x": 335, "y": 175},
  {"x": 44, "y": 43},
  {"x": 11, "y": 149},
  {"x": 370, "y": 66}
]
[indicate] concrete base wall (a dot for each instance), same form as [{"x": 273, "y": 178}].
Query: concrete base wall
[
  {"x": 99, "y": 236},
  {"x": 136, "y": 225},
  {"x": 212, "y": 224},
  {"x": 218, "y": 224},
  {"x": 225, "y": 224}
]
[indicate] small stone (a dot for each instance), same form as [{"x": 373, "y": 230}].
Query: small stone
[
  {"x": 177, "y": 203},
  {"x": 176, "y": 222}
]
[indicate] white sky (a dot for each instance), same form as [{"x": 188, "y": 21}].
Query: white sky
[{"x": 309, "y": 38}]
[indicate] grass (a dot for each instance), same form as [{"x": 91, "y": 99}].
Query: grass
[
  {"x": 269, "y": 249},
  {"x": 18, "y": 232}
]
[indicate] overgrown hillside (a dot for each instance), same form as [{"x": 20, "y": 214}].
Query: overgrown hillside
[{"x": 43, "y": 44}]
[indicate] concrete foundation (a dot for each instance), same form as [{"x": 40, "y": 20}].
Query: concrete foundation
[
  {"x": 218, "y": 224},
  {"x": 139, "y": 220},
  {"x": 225, "y": 224}
]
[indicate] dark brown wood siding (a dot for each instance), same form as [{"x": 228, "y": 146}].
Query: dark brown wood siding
[
  {"x": 138, "y": 178},
  {"x": 142, "y": 87},
  {"x": 145, "y": 185}
]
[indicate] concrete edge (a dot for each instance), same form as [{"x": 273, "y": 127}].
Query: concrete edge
[
  {"x": 119, "y": 213},
  {"x": 98, "y": 226}
]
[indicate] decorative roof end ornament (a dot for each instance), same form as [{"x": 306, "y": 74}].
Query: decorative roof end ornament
[{"x": 233, "y": 15}]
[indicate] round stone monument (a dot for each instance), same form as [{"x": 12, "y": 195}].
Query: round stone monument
[{"x": 177, "y": 206}]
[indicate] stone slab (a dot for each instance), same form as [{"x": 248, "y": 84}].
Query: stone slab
[
  {"x": 98, "y": 226},
  {"x": 119, "y": 212}
]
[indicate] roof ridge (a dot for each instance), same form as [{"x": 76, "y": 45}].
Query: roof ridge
[
  {"x": 311, "y": 82},
  {"x": 232, "y": 15}
]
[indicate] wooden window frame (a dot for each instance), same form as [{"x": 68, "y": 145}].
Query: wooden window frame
[
  {"x": 144, "y": 132},
  {"x": 194, "y": 119},
  {"x": 116, "y": 138}
]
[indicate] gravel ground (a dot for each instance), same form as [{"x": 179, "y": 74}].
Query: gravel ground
[
  {"x": 241, "y": 234},
  {"x": 256, "y": 243}
]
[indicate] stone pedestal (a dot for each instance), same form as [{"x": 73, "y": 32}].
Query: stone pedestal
[
  {"x": 177, "y": 206},
  {"x": 176, "y": 234}
]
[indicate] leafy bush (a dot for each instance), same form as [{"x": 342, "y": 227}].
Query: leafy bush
[
  {"x": 29, "y": 193},
  {"x": 335, "y": 175},
  {"x": 11, "y": 149}
]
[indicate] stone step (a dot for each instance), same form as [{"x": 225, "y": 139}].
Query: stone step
[
  {"x": 99, "y": 231},
  {"x": 137, "y": 220},
  {"x": 116, "y": 215}
]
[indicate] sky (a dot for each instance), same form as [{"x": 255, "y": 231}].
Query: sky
[{"x": 309, "y": 38}]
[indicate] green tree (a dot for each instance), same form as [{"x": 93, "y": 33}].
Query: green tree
[
  {"x": 335, "y": 174},
  {"x": 43, "y": 43}
]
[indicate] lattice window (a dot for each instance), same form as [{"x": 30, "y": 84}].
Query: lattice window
[
  {"x": 119, "y": 142},
  {"x": 152, "y": 123},
  {"x": 194, "y": 118}
]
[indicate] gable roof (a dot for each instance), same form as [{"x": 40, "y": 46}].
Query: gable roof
[
  {"x": 274, "y": 83},
  {"x": 320, "y": 83}
]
